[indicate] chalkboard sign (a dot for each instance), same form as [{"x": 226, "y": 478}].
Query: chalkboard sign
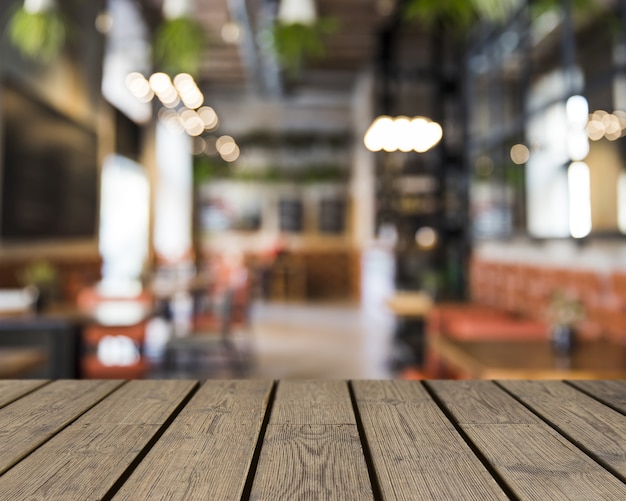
[
  {"x": 49, "y": 173},
  {"x": 332, "y": 215},
  {"x": 290, "y": 215}
]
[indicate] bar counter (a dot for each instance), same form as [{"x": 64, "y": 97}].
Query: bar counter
[{"x": 289, "y": 440}]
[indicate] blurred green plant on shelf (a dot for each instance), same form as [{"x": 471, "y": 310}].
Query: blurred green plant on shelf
[
  {"x": 207, "y": 170},
  {"x": 42, "y": 278}
]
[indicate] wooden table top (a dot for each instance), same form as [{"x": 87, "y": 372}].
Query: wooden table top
[
  {"x": 533, "y": 359},
  {"x": 410, "y": 304},
  {"x": 290, "y": 440}
]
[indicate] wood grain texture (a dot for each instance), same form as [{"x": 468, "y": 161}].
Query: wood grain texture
[
  {"x": 534, "y": 460},
  {"x": 483, "y": 403},
  {"x": 32, "y": 420},
  {"x": 312, "y": 402},
  {"x": 88, "y": 457},
  {"x": 312, "y": 448},
  {"x": 612, "y": 392},
  {"x": 207, "y": 451},
  {"x": 12, "y": 389},
  {"x": 416, "y": 451},
  {"x": 594, "y": 426}
]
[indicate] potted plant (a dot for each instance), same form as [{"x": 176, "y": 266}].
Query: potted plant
[
  {"x": 179, "y": 43},
  {"x": 565, "y": 313},
  {"x": 42, "y": 278},
  {"x": 294, "y": 43}
]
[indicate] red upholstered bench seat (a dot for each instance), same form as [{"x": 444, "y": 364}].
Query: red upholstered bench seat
[
  {"x": 492, "y": 327},
  {"x": 478, "y": 322}
]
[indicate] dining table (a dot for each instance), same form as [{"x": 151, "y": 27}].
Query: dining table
[
  {"x": 528, "y": 358},
  {"x": 325, "y": 439}
]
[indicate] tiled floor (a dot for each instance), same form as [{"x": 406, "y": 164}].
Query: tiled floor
[
  {"x": 302, "y": 341},
  {"x": 346, "y": 340}
]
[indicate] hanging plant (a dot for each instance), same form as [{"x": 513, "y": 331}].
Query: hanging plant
[
  {"x": 464, "y": 13},
  {"x": 38, "y": 31},
  {"x": 541, "y": 6},
  {"x": 294, "y": 43},
  {"x": 179, "y": 45}
]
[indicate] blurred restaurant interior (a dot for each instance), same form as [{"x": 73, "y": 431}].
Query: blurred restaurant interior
[{"x": 313, "y": 189}]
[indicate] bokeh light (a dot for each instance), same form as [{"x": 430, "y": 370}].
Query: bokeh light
[{"x": 519, "y": 154}]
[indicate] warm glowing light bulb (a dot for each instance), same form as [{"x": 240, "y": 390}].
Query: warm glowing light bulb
[
  {"x": 36, "y": 6},
  {"x": 426, "y": 133},
  {"x": 231, "y": 155},
  {"x": 520, "y": 154},
  {"x": 224, "y": 143},
  {"x": 403, "y": 132},
  {"x": 209, "y": 117},
  {"x": 577, "y": 110},
  {"x": 231, "y": 33},
  {"x": 160, "y": 82},
  {"x": 184, "y": 81},
  {"x": 375, "y": 135},
  {"x": 139, "y": 87},
  {"x": 426, "y": 238},
  {"x": 297, "y": 11}
]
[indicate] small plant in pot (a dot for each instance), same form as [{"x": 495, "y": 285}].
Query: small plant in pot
[
  {"x": 565, "y": 313},
  {"x": 42, "y": 279}
]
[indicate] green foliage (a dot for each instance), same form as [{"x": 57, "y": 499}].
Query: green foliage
[
  {"x": 295, "y": 43},
  {"x": 456, "y": 12},
  {"x": 41, "y": 274},
  {"x": 39, "y": 35},
  {"x": 179, "y": 45},
  {"x": 464, "y": 13},
  {"x": 541, "y": 6},
  {"x": 565, "y": 309},
  {"x": 207, "y": 169}
]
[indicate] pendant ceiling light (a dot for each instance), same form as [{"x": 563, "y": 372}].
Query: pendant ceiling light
[
  {"x": 297, "y": 11},
  {"x": 34, "y": 6},
  {"x": 173, "y": 9},
  {"x": 402, "y": 133}
]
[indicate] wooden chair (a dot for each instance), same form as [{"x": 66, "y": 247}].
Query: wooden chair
[{"x": 104, "y": 338}]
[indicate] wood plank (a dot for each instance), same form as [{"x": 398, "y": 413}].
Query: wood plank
[
  {"x": 597, "y": 428},
  {"x": 534, "y": 460},
  {"x": 12, "y": 389},
  {"x": 611, "y": 392},
  {"x": 207, "y": 452},
  {"x": 414, "y": 447},
  {"x": 86, "y": 459},
  {"x": 312, "y": 448},
  {"x": 35, "y": 418},
  {"x": 312, "y": 402}
]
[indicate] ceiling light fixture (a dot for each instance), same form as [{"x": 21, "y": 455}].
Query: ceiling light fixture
[
  {"x": 297, "y": 11},
  {"x": 402, "y": 133}
]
